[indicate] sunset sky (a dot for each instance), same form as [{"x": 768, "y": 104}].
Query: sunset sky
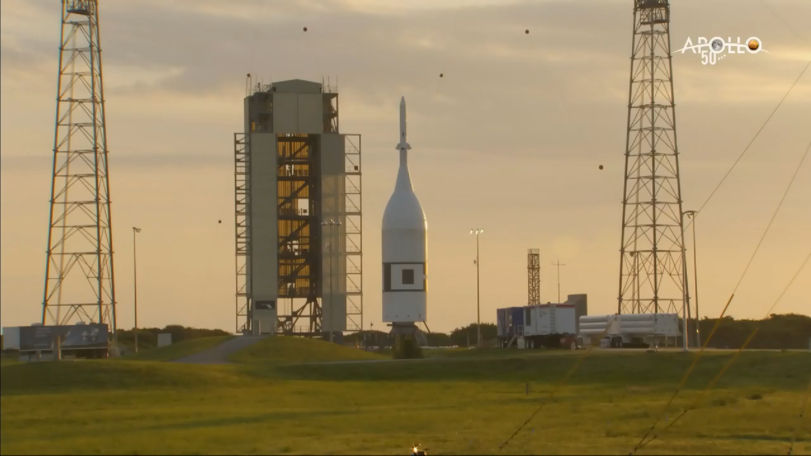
[{"x": 510, "y": 139}]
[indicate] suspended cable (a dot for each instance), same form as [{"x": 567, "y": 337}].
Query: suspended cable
[
  {"x": 757, "y": 133},
  {"x": 560, "y": 383},
  {"x": 579, "y": 361},
  {"x": 647, "y": 436},
  {"x": 774, "y": 215},
  {"x": 789, "y": 27},
  {"x": 734, "y": 357},
  {"x": 800, "y": 421}
]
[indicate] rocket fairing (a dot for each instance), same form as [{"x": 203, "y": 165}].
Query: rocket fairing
[{"x": 404, "y": 245}]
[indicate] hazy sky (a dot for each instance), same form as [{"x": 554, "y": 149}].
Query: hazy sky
[{"x": 510, "y": 139}]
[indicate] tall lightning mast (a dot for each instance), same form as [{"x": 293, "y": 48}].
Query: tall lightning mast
[
  {"x": 79, "y": 280},
  {"x": 652, "y": 278}
]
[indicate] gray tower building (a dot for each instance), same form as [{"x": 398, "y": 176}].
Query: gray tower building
[{"x": 298, "y": 214}]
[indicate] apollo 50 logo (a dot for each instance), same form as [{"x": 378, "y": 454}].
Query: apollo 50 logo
[{"x": 714, "y": 49}]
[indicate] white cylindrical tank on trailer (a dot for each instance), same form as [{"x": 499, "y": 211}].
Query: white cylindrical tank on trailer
[
  {"x": 630, "y": 324},
  {"x": 404, "y": 245}
]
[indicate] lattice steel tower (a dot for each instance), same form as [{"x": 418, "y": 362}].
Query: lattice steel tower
[
  {"x": 533, "y": 277},
  {"x": 652, "y": 278},
  {"x": 79, "y": 281}
]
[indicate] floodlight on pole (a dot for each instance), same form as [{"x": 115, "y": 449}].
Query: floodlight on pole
[
  {"x": 135, "y": 230},
  {"x": 558, "y": 264},
  {"x": 692, "y": 215},
  {"x": 477, "y": 232}
]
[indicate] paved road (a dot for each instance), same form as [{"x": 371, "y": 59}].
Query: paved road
[{"x": 220, "y": 353}]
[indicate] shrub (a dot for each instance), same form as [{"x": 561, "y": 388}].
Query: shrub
[{"x": 406, "y": 347}]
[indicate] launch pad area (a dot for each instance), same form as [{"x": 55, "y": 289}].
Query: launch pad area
[{"x": 456, "y": 401}]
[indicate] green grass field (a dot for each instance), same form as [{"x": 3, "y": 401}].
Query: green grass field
[
  {"x": 287, "y": 395},
  {"x": 178, "y": 350}
]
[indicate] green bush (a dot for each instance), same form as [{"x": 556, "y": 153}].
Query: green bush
[
  {"x": 466, "y": 336},
  {"x": 406, "y": 347}
]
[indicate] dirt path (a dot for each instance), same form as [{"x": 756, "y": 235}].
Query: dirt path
[{"x": 220, "y": 353}]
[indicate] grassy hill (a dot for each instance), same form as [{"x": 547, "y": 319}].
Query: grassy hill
[
  {"x": 285, "y": 350},
  {"x": 291, "y": 395},
  {"x": 177, "y": 350}
]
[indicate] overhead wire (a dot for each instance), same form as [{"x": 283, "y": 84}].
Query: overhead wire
[
  {"x": 732, "y": 359},
  {"x": 774, "y": 215},
  {"x": 754, "y": 137},
  {"x": 787, "y": 24},
  {"x": 703, "y": 205},
  {"x": 689, "y": 371},
  {"x": 649, "y": 432},
  {"x": 800, "y": 421},
  {"x": 556, "y": 387}
]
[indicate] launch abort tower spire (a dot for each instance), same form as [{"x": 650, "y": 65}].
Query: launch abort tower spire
[
  {"x": 652, "y": 278},
  {"x": 79, "y": 281}
]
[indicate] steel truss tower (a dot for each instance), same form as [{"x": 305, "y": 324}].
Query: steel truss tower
[
  {"x": 533, "y": 277},
  {"x": 79, "y": 280},
  {"x": 652, "y": 278}
]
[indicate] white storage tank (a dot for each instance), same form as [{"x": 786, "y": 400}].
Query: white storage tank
[{"x": 630, "y": 325}]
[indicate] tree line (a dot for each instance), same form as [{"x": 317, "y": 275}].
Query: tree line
[
  {"x": 776, "y": 332},
  {"x": 779, "y": 331}
]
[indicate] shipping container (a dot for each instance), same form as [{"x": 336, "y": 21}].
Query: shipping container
[{"x": 510, "y": 322}]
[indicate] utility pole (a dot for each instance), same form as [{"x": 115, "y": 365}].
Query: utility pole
[
  {"x": 135, "y": 286},
  {"x": 477, "y": 232},
  {"x": 558, "y": 264},
  {"x": 692, "y": 215}
]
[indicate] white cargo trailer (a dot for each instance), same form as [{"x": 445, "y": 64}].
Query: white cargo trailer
[
  {"x": 549, "y": 325},
  {"x": 549, "y": 319}
]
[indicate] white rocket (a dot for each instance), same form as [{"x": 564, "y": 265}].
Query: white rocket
[{"x": 404, "y": 245}]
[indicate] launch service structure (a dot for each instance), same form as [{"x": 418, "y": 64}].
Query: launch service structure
[
  {"x": 404, "y": 248},
  {"x": 298, "y": 214}
]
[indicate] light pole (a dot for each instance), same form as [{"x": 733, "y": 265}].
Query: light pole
[
  {"x": 135, "y": 285},
  {"x": 477, "y": 232},
  {"x": 692, "y": 215},
  {"x": 685, "y": 304},
  {"x": 558, "y": 264},
  {"x": 332, "y": 223}
]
